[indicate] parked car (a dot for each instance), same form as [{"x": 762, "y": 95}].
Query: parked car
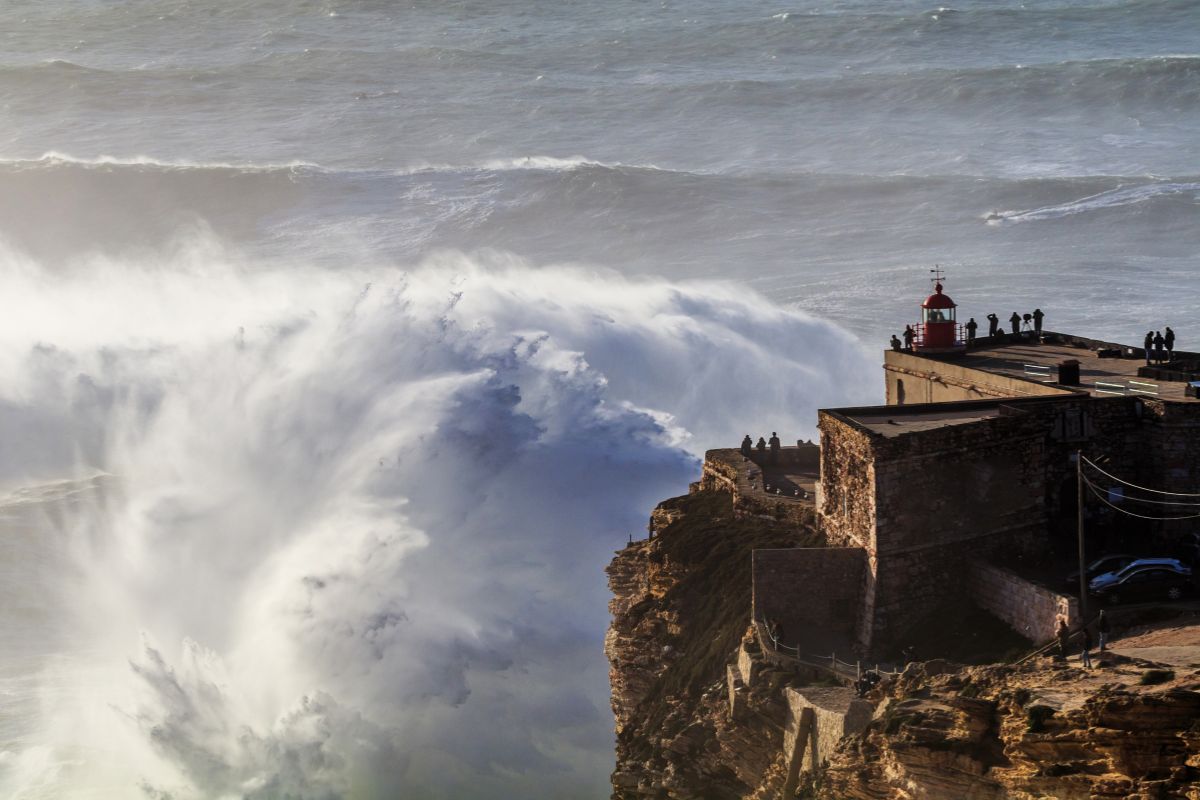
[
  {"x": 1145, "y": 584},
  {"x": 1102, "y": 565},
  {"x": 1173, "y": 564}
]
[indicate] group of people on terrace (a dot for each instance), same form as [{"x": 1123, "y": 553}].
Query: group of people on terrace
[
  {"x": 1160, "y": 347},
  {"x": 748, "y": 447},
  {"x": 1021, "y": 325}
]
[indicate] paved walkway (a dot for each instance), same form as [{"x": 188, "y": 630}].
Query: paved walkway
[{"x": 1174, "y": 643}]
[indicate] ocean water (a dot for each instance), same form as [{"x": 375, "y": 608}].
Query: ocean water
[{"x": 342, "y": 342}]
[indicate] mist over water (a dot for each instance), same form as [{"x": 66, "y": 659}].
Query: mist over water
[
  {"x": 343, "y": 342},
  {"x": 296, "y": 532}
]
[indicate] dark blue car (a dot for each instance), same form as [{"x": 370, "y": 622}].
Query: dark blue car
[{"x": 1145, "y": 585}]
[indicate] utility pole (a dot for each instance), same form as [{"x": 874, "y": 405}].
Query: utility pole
[{"x": 1083, "y": 581}]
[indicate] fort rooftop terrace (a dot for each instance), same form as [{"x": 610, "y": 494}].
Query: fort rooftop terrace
[{"x": 1023, "y": 367}]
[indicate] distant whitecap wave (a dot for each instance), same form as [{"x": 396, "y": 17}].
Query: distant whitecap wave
[{"x": 1113, "y": 198}]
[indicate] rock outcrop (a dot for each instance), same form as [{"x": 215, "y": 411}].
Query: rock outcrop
[
  {"x": 679, "y": 610},
  {"x": 682, "y": 661},
  {"x": 1036, "y": 731}
]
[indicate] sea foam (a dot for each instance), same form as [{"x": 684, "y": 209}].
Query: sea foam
[{"x": 333, "y": 534}]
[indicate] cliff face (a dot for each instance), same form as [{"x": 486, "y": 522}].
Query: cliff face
[
  {"x": 1035, "y": 731},
  {"x": 680, "y": 606},
  {"x": 1044, "y": 729}
]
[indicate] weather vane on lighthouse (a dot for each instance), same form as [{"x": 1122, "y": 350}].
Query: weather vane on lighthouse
[{"x": 938, "y": 275}]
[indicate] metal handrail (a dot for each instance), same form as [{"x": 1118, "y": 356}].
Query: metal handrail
[
  {"x": 960, "y": 337},
  {"x": 830, "y": 663},
  {"x": 1054, "y": 642}
]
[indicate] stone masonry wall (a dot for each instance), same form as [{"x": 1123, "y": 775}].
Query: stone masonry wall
[
  {"x": 913, "y": 379},
  {"x": 726, "y": 470},
  {"x": 847, "y": 494},
  {"x": 836, "y": 713},
  {"x": 969, "y": 491},
  {"x": 1029, "y": 609},
  {"x": 813, "y": 593}
]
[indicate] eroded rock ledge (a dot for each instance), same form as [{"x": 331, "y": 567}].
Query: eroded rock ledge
[
  {"x": 680, "y": 604},
  {"x": 1044, "y": 729}
]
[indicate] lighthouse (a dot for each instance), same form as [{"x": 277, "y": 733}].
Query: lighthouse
[{"x": 939, "y": 331}]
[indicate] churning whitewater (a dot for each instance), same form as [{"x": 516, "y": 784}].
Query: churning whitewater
[
  {"x": 342, "y": 341},
  {"x": 311, "y": 534}
]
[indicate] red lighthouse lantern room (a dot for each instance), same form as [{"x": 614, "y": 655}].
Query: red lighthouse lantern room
[{"x": 939, "y": 330}]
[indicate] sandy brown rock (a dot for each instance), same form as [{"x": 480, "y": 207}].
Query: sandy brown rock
[
  {"x": 1045, "y": 729},
  {"x": 1037, "y": 731},
  {"x": 679, "y": 614}
]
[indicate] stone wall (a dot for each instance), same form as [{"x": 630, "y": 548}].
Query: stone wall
[
  {"x": 727, "y": 470},
  {"x": 913, "y": 379},
  {"x": 813, "y": 593},
  {"x": 1029, "y": 609},
  {"x": 818, "y": 719},
  {"x": 847, "y": 494}
]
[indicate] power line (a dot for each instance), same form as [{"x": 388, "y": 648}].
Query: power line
[
  {"x": 1191, "y": 504},
  {"x": 1098, "y": 493},
  {"x": 1150, "y": 501},
  {"x": 1094, "y": 466}
]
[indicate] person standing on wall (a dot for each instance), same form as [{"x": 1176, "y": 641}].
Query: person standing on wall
[
  {"x": 1063, "y": 634},
  {"x": 1038, "y": 316},
  {"x": 909, "y": 335},
  {"x": 774, "y": 447},
  {"x": 1148, "y": 344},
  {"x": 747, "y": 446},
  {"x": 896, "y": 345},
  {"x": 761, "y": 447},
  {"x": 993, "y": 324},
  {"x": 1015, "y": 321},
  {"x": 1169, "y": 340},
  {"x": 971, "y": 327},
  {"x": 1159, "y": 344}
]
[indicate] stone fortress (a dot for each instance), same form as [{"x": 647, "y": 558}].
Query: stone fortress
[
  {"x": 962, "y": 483},
  {"x": 906, "y": 541}
]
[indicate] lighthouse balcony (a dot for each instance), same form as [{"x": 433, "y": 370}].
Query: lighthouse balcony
[{"x": 939, "y": 337}]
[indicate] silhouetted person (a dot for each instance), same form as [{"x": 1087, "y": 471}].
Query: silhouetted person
[
  {"x": 1169, "y": 339},
  {"x": 1148, "y": 344},
  {"x": 896, "y": 345},
  {"x": 971, "y": 327},
  {"x": 1038, "y": 316},
  {"x": 993, "y": 324},
  {"x": 1159, "y": 343},
  {"x": 1015, "y": 321},
  {"x": 909, "y": 335},
  {"x": 1102, "y": 630},
  {"x": 1063, "y": 634},
  {"x": 761, "y": 447},
  {"x": 774, "y": 446},
  {"x": 747, "y": 446}
]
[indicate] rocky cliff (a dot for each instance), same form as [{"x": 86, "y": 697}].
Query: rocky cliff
[
  {"x": 1129, "y": 728},
  {"x": 680, "y": 606},
  {"x": 1126, "y": 729}
]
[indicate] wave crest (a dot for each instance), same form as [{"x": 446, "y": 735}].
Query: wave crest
[{"x": 361, "y": 514}]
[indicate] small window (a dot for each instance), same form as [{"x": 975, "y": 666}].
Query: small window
[{"x": 937, "y": 314}]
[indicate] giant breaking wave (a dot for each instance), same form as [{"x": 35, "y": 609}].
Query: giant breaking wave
[{"x": 328, "y": 534}]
